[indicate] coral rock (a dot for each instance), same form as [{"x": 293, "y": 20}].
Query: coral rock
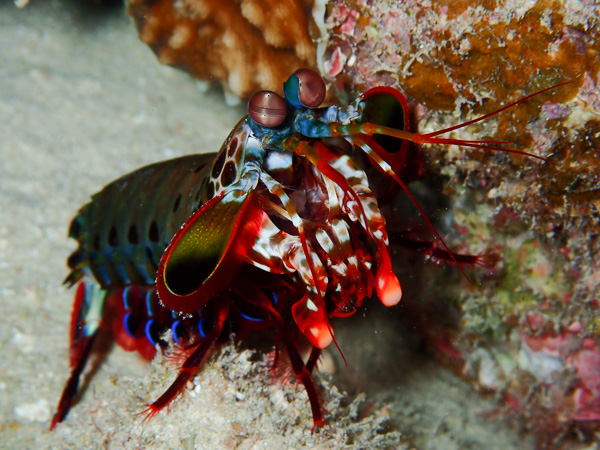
[
  {"x": 244, "y": 45},
  {"x": 457, "y": 60}
]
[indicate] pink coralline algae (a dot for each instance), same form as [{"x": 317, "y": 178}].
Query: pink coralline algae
[
  {"x": 587, "y": 395},
  {"x": 548, "y": 353}
]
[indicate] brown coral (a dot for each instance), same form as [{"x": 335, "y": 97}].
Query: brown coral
[{"x": 245, "y": 45}]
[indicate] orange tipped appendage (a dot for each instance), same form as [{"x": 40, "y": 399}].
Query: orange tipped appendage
[
  {"x": 388, "y": 288},
  {"x": 319, "y": 334},
  {"x": 387, "y": 284},
  {"x": 312, "y": 321}
]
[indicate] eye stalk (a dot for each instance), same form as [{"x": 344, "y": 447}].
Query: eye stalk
[
  {"x": 305, "y": 88},
  {"x": 267, "y": 108}
]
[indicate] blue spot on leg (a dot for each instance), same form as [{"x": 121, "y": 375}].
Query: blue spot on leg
[
  {"x": 252, "y": 319},
  {"x": 125, "y": 298},
  {"x": 149, "y": 304},
  {"x": 175, "y": 331},
  {"x": 150, "y": 332},
  {"x": 127, "y": 324},
  {"x": 201, "y": 327}
]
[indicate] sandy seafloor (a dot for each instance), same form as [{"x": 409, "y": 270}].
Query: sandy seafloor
[{"x": 82, "y": 102}]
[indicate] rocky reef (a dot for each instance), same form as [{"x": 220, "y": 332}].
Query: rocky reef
[{"x": 528, "y": 330}]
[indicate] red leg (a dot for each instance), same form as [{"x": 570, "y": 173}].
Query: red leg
[
  {"x": 86, "y": 318},
  {"x": 250, "y": 293},
  {"x": 302, "y": 373},
  {"x": 70, "y": 390},
  {"x": 190, "y": 365},
  {"x": 435, "y": 252},
  {"x": 315, "y": 354}
]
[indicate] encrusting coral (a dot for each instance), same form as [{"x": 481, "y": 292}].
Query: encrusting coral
[{"x": 244, "y": 45}]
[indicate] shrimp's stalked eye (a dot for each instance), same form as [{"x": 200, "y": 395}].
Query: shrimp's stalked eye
[
  {"x": 267, "y": 109},
  {"x": 305, "y": 88}
]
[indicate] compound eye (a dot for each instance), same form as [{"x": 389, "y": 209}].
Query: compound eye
[
  {"x": 305, "y": 88},
  {"x": 311, "y": 88},
  {"x": 267, "y": 109}
]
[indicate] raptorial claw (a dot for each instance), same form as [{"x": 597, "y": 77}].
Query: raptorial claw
[{"x": 206, "y": 253}]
